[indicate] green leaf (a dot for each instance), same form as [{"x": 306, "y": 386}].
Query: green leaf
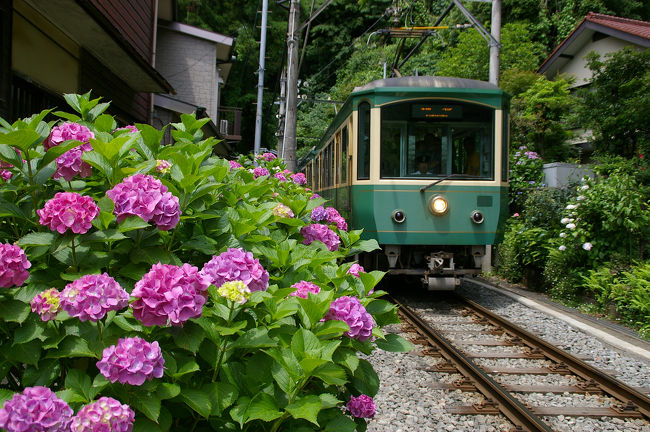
[
  {"x": 99, "y": 383},
  {"x": 394, "y": 343},
  {"x": 168, "y": 390},
  {"x": 56, "y": 151},
  {"x": 8, "y": 209},
  {"x": 71, "y": 396},
  {"x": 185, "y": 368},
  {"x": 222, "y": 395},
  {"x": 28, "y": 353},
  {"x": 44, "y": 374},
  {"x": 37, "y": 239},
  {"x": 14, "y": 311},
  {"x": 306, "y": 407},
  {"x": 263, "y": 407},
  {"x": 365, "y": 379},
  {"x": 255, "y": 338},
  {"x": 330, "y": 329},
  {"x": 105, "y": 123},
  {"x": 29, "y": 331},
  {"x": 9, "y": 154},
  {"x": 201, "y": 243},
  {"x": 331, "y": 374},
  {"x": 72, "y": 346},
  {"x": 22, "y": 138},
  {"x": 132, "y": 223},
  {"x": 347, "y": 357},
  {"x": 188, "y": 337},
  {"x": 148, "y": 404},
  {"x": 198, "y": 400},
  {"x": 97, "y": 160},
  {"x": 107, "y": 235},
  {"x": 328, "y": 400},
  {"x": 80, "y": 382},
  {"x": 305, "y": 344},
  {"x": 5, "y": 395}
]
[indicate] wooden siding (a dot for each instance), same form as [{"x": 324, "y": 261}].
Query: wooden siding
[
  {"x": 133, "y": 20},
  {"x": 127, "y": 105}
]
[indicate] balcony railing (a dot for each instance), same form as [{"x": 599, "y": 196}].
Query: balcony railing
[{"x": 230, "y": 123}]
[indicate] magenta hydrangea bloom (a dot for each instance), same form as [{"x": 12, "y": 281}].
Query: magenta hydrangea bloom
[
  {"x": 105, "y": 415},
  {"x": 47, "y": 304},
  {"x": 13, "y": 265},
  {"x": 260, "y": 171},
  {"x": 169, "y": 294},
  {"x": 267, "y": 157},
  {"x": 318, "y": 214},
  {"x": 237, "y": 264},
  {"x": 303, "y": 288},
  {"x": 132, "y": 361},
  {"x": 361, "y": 407},
  {"x": 92, "y": 296},
  {"x": 321, "y": 233},
  {"x": 129, "y": 128},
  {"x": 69, "y": 164},
  {"x": 36, "y": 409},
  {"x": 6, "y": 175},
  {"x": 334, "y": 217},
  {"x": 234, "y": 164},
  {"x": 146, "y": 197},
  {"x": 280, "y": 176},
  {"x": 355, "y": 269},
  {"x": 68, "y": 211},
  {"x": 351, "y": 311},
  {"x": 299, "y": 179}
]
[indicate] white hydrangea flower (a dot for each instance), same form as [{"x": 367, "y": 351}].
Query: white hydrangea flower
[
  {"x": 571, "y": 226},
  {"x": 571, "y": 207},
  {"x": 562, "y": 234},
  {"x": 587, "y": 246},
  {"x": 580, "y": 198},
  {"x": 584, "y": 187},
  {"x": 565, "y": 221},
  {"x": 562, "y": 248}
]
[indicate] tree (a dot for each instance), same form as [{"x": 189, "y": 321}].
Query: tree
[{"x": 616, "y": 106}]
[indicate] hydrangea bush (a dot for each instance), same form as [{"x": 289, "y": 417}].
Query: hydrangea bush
[
  {"x": 526, "y": 174},
  {"x": 153, "y": 288}
]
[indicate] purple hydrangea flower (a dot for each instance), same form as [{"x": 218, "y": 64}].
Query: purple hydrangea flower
[
  {"x": 318, "y": 214},
  {"x": 132, "y": 361},
  {"x": 13, "y": 265},
  {"x": 234, "y": 164},
  {"x": 260, "y": 171},
  {"x": 146, "y": 197},
  {"x": 169, "y": 294},
  {"x": 69, "y": 164},
  {"x": 280, "y": 176},
  {"x": 355, "y": 269},
  {"x": 351, "y": 311},
  {"x": 236, "y": 264},
  {"x": 299, "y": 179},
  {"x": 361, "y": 407},
  {"x": 68, "y": 211},
  {"x": 321, "y": 233},
  {"x": 303, "y": 288},
  {"x": 91, "y": 296},
  {"x": 314, "y": 196},
  {"x": 36, "y": 409},
  {"x": 105, "y": 415},
  {"x": 47, "y": 304}
]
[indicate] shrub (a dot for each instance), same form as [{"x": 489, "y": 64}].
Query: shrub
[
  {"x": 525, "y": 175},
  {"x": 242, "y": 355}
]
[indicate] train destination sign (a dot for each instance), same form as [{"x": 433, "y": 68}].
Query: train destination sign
[{"x": 431, "y": 111}]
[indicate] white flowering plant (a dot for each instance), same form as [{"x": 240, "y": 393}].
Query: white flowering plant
[{"x": 150, "y": 287}]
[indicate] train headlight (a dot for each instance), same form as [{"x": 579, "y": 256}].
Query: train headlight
[
  {"x": 398, "y": 216},
  {"x": 438, "y": 205},
  {"x": 477, "y": 217}
]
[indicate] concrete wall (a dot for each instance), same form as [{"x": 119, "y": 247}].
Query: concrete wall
[
  {"x": 560, "y": 174},
  {"x": 189, "y": 64}
]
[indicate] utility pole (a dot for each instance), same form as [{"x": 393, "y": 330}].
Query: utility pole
[
  {"x": 281, "y": 111},
  {"x": 260, "y": 79},
  {"x": 288, "y": 152},
  {"x": 495, "y": 31}
]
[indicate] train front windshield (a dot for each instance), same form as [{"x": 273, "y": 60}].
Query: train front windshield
[{"x": 433, "y": 139}]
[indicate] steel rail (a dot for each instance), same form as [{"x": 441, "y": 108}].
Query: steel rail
[
  {"x": 514, "y": 410},
  {"x": 608, "y": 383}
]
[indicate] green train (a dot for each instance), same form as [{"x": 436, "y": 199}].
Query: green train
[{"x": 421, "y": 164}]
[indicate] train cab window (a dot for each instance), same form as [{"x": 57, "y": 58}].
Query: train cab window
[
  {"x": 344, "y": 155},
  {"x": 363, "y": 150},
  {"x": 434, "y": 139}
]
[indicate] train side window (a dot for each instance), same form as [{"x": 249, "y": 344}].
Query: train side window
[
  {"x": 332, "y": 167},
  {"x": 363, "y": 149},
  {"x": 505, "y": 159},
  {"x": 317, "y": 171},
  {"x": 344, "y": 155}
]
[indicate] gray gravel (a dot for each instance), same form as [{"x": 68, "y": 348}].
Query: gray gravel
[{"x": 406, "y": 401}]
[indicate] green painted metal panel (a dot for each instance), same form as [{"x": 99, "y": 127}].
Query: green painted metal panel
[{"x": 373, "y": 206}]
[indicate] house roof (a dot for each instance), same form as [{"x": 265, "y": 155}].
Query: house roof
[{"x": 630, "y": 30}]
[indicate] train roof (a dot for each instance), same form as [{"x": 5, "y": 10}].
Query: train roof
[{"x": 427, "y": 82}]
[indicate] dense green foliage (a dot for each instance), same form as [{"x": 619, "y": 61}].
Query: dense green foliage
[{"x": 273, "y": 363}]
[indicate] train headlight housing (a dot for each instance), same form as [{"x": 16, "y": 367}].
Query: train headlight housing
[
  {"x": 398, "y": 216},
  {"x": 438, "y": 205},
  {"x": 477, "y": 217}
]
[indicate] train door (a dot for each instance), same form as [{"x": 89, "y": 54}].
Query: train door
[{"x": 344, "y": 173}]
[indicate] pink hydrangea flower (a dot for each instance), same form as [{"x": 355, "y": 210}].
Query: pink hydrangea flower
[
  {"x": 303, "y": 288},
  {"x": 68, "y": 211},
  {"x": 132, "y": 361},
  {"x": 299, "y": 179},
  {"x": 267, "y": 157},
  {"x": 129, "y": 128},
  {"x": 69, "y": 164},
  {"x": 234, "y": 164},
  {"x": 162, "y": 166},
  {"x": 13, "y": 265},
  {"x": 280, "y": 176},
  {"x": 260, "y": 171},
  {"x": 105, "y": 415},
  {"x": 321, "y": 233},
  {"x": 146, "y": 197},
  {"x": 169, "y": 294},
  {"x": 236, "y": 264},
  {"x": 282, "y": 210},
  {"x": 334, "y": 217},
  {"x": 47, "y": 304},
  {"x": 355, "y": 269},
  {"x": 36, "y": 409},
  {"x": 6, "y": 175},
  {"x": 91, "y": 296},
  {"x": 361, "y": 407},
  {"x": 351, "y": 311}
]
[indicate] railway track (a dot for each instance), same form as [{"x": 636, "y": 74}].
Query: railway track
[{"x": 509, "y": 341}]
